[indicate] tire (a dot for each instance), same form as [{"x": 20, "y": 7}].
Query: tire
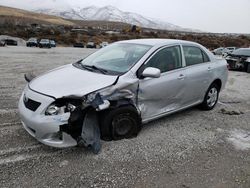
[
  {"x": 248, "y": 68},
  {"x": 119, "y": 123},
  {"x": 211, "y": 97}
]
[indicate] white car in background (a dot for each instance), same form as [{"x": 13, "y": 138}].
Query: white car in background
[
  {"x": 228, "y": 50},
  {"x": 103, "y": 44},
  {"x": 218, "y": 51}
]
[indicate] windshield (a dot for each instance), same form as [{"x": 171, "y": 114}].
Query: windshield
[
  {"x": 116, "y": 58},
  {"x": 242, "y": 51}
]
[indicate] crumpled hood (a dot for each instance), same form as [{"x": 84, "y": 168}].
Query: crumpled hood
[{"x": 70, "y": 81}]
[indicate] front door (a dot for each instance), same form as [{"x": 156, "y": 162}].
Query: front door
[{"x": 158, "y": 96}]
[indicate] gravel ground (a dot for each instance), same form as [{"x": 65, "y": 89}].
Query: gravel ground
[{"x": 192, "y": 148}]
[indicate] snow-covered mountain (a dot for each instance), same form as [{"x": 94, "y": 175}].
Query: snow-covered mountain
[{"x": 110, "y": 13}]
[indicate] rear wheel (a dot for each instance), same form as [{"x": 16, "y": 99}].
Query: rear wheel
[
  {"x": 120, "y": 123},
  {"x": 211, "y": 97}
]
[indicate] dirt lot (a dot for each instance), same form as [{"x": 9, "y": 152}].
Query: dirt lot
[{"x": 192, "y": 148}]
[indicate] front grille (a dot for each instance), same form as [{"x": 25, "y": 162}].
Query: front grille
[{"x": 31, "y": 104}]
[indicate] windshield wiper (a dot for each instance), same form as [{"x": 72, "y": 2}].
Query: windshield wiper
[{"x": 93, "y": 67}]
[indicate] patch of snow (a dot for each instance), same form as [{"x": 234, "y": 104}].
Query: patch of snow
[
  {"x": 15, "y": 158},
  {"x": 240, "y": 139}
]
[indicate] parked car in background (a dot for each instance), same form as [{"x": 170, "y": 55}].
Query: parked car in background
[
  {"x": 79, "y": 45},
  {"x": 10, "y": 42},
  {"x": 103, "y": 44},
  {"x": 91, "y": 45},
  {"x": 218, "y": 51},
  {"x": 228, "y": 50},
  {"x": 44, "y": 43},
  {"x": 52, "y": 43},
  {"x": 239, "y": 60},
  {"x": 231, "y": 49},
  {"x": 2, "y": 43},
  {"x": 99, "y": 94},
  {"x": 32, "y": 42}
]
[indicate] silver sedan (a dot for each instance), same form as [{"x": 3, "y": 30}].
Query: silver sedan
[{"x": 112, "y": 92}]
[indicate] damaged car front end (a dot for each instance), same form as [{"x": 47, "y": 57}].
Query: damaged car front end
[
  {"x": 239, "y": 60},
  {"x": 35, "y": 119},
  {"x": 65, "y": 107}
]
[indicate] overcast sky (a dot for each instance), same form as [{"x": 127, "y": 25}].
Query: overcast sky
[{"x": 207, "y": 15}]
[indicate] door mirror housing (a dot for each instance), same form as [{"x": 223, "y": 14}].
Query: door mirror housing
[{"x": 151, "y": 72}]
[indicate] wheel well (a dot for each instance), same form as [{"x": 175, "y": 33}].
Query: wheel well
[
  {"x": 218, "y": 83},
  {"x": 121, "y": 103}
]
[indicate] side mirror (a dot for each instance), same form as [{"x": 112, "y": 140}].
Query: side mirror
[{"x": 151, "y": 72}]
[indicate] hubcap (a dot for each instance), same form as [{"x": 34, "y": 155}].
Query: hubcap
[
  {"x": 212, "y": 97},
  {"x": 122, "y": 125}
]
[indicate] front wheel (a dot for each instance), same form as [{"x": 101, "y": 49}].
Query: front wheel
[
  {"x": 211, "y": 97},
  {"x": 122, "y": 122}
]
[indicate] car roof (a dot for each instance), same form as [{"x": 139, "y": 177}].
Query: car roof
[{"x": 157, "y": 42}]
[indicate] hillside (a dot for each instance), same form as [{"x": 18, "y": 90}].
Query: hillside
[
  {"x": 110, "y": 13},
  {"x": 8, "y": 12}
]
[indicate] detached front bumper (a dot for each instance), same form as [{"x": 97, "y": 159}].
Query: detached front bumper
[{"x": 46, "y": 129}]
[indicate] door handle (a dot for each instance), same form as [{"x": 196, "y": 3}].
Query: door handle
[
  {"x": 181, "y": 77},
  {"x": 209, "y": 69}
]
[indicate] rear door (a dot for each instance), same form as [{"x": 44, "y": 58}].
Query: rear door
[
  {"x": 198, "y": 74},
  {"x": 158, "y": 96}
]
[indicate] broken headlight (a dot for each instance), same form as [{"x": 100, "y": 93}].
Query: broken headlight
[{"x": 54, "y": 109}]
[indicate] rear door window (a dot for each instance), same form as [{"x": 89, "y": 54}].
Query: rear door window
[{"x": 194, "y": 55}]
